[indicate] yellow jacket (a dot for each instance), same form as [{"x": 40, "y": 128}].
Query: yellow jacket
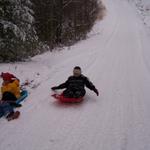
[{"x": 12, "y": 87}]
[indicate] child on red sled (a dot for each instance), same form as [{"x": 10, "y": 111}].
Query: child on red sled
[{"x": 75, "y": 85}]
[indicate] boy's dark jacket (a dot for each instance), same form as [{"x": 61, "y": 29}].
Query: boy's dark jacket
[{"x": 77, "y": 84}]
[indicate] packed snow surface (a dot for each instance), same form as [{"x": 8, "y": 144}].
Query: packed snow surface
[{"x": 116, "y": 59}]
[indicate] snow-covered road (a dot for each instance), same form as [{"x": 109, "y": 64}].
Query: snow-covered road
[{"x": 119, "y": 119}]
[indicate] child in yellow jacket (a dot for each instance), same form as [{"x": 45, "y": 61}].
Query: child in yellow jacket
[
  {"x": 10, "y": 87},
  {"x": 10, "y": 93}
]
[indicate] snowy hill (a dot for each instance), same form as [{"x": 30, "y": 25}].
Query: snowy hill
[{"x": 116, "y": 58}]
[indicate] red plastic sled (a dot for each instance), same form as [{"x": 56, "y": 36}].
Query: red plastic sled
[{"x": 63, "y": 99}]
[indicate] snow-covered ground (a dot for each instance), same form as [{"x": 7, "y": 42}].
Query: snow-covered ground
[
  {"x": 116, "y": 58},
  {"x": 144, "y": 10}
]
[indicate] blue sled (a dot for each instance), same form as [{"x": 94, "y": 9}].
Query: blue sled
[{"x": 24, "y": 94}]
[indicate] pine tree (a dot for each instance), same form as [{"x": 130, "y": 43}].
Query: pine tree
[{"x": 17, "y": 35}]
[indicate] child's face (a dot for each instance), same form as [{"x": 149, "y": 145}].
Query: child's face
[{"x": 76, "y": 72}]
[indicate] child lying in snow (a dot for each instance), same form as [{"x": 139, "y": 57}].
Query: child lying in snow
[{"x": 10, "y": 90}]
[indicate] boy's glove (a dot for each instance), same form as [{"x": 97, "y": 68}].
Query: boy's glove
[
  {"x": 96, "y": 91},
  {"x": 54, "y": 88}
]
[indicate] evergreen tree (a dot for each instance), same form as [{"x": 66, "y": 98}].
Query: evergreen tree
[{"x": 17, "y": 35}]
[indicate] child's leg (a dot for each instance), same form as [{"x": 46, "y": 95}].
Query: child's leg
[
  {"x": 6, "y": 108},
  {"x": 78, "y": 94},
  {"x": 68, "y": 93}
]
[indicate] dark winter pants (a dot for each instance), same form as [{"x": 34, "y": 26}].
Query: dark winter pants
[
  {"x": 5, "y": 108},
  {"x": 73, "y": 93},
  {"x": 10, "y": 98}
]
